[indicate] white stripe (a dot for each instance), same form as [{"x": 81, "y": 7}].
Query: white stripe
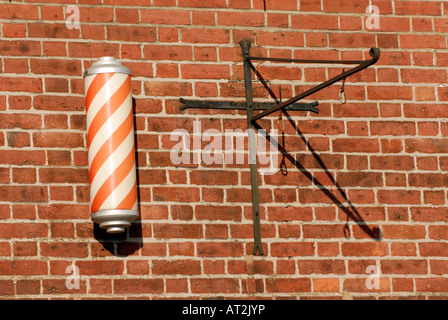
[
  {"x": 105, "y": 93},
  {"x": 109, "y": 166},
  {"x": 120, "y": 192},
  {"x": 109, "y": 127},
  {"x": 88, "y": 82}
]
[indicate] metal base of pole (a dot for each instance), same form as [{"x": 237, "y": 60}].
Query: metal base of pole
[{"x": 114, "y": 221}]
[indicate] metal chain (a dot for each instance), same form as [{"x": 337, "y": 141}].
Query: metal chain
[{"x": 342, "y": 97}]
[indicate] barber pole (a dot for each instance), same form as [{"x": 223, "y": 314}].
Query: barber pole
[{"x": 110, "y": 140}]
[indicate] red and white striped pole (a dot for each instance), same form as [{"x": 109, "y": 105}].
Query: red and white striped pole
[{"x": 110, "y": 139}]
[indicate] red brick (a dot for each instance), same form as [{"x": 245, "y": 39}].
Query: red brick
[
  {"x": 63, "y": 175},
  {"x": 217, "y": 285},
  {"x": 289, "y": 231},
  {"x": 21, "y": 84},
  {"x": 428, "y": 179},
  {"x": 131, "y": 33},
  {"x": 98, "y": 14},
  {"x": 24, "y": 267},
  {"x": 176, "y": 267},
  {"x": 205, "y": 36},
  {"x": 425, "y": 111},
  {"x": 423, "y": 76},
  {"x": 219, "y": 249},
  {"x": 155, "y": 52},
  {"x": 361, "y": 249},
  {"x": 100, "y": 286},
  {"x": 108, "y": 267},
  {"x": 19, "y": 48},
  {"x": 403, "y": 232},
  {"x": 361, "y": 179},
  {"x": 426, "y": 145},
  {"x": 176, "y": 285},
  {"x": 389, "y": 93},
  {"x": 392, "y": 162},
  {"x": 56, "y": 66},
  {"x": 64, "y": 211},
  {"x": 181, "y": 249},
  {"x": 287, "y": 38},
  {"x": 6, "y": 287},
  {"x": 321, "y": 266},
  {"x": 235, "y": 18},
  {"x": 51, "y": 30},
  {"x": 195, "y": 71},
  {"x": 417, "y": 8},
  {"x": 188, "y": 231},
  {"x": 28, "y": 286},
  {"x": 310, "y": 5},
  {"x": 167, "y": 89},
  {"x": 399, "y": 196},
  {"x": 326, "y": 285},
  {"x": 286, "y": 267},
  {"x": 205, "y": 212},
  {"x": 438, "y": 232},
  {"x": 438, "y": 267},
  {"x": 24, "y": 175},
  {"x": 176, "y": 194},
  {"x": 404, "y": 267},
  {"x": 14, "y": 30},
  {"x": 58, "y": 140},
  {"x": 314, "y": 22},
  {"x": 64, "y": 249},
  {"x": 18, "y": 139},
  {"x": 431, "y": 284},
  {"x": 203, "y": 3},
  {"x": 422, "y": 41},
  {"x": 23, "y": 193},
  {"x": 292, "y": 249},
  {"x": 433, "y": 249},
  {"x": 352, "y": 40},
  {"x": 355, "y": 145},
  {"x": 135, "y": 286},
  {"x": 18, "y": 11},
  {"x": 323, "y": 231},
  {"x": 288, "y": 285},
  {"x": 92, "y": 50}
]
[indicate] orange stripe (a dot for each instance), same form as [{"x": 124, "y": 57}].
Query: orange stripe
[
  {"x": 129, "y": 200},
  {"x": 115, "y": 101},
  {"x": 97, "y": 83},
  {"x": 111, "y": 144},
  {"x": 113, "y": 181}
]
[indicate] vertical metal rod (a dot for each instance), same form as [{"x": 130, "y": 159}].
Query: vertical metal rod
[{"x": 252, "y": 149}]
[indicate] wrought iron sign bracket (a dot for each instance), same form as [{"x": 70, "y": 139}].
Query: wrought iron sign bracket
[{"x": 268, "y": 108}]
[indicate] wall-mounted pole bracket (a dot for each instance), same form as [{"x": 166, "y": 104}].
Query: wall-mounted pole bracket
[{"x": 268, "y": 108}]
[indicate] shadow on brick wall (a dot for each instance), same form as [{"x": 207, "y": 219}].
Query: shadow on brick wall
[{"x": 346, "y": 206}]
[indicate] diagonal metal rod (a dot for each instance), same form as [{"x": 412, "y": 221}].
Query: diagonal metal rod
[{"x": 374, "y": 53}]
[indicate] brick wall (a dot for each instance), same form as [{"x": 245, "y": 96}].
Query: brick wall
[{"x": 370, "y": 187}]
